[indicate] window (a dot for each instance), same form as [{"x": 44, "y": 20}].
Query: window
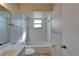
[{"x": 37, "y": 23}]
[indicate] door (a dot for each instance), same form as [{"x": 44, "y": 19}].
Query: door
[
  {"x": 71, "y": 29},
  {"x": 4, "y": 30}
]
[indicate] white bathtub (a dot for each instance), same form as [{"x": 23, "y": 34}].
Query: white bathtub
[{"x": 38, "y": 44}]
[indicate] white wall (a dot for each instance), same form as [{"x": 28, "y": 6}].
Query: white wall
[
  {"x": 57, "y": 27},
  {"x": 49, "y": 28},
  {"x": 69, "y": 15},
  {"x": 71, "y": 28},
  {"x": 37, "y": 34}
]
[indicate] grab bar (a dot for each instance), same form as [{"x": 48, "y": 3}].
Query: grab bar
[{"x": 15, "y": 25}]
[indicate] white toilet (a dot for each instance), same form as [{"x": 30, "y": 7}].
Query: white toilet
[{"x": 29, "y": 51}]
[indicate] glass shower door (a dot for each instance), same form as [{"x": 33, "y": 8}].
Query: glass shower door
[
  {"x": 15, "y": 28},
  {"x": 4, "y": 30}
]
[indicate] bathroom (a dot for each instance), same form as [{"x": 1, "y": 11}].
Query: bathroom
[{"x": 32, "y": 30}]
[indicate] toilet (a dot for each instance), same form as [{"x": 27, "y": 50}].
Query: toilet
[{"x": 29, "y": 51}]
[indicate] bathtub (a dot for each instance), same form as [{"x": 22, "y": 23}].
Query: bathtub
[{"x": 38, "y": 44}]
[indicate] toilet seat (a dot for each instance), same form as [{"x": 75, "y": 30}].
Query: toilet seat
[{"x": 29, "y": 51}]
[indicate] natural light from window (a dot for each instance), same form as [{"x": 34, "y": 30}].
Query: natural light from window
[{"x": 37, "y": 23}]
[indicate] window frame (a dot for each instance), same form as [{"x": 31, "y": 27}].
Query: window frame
[{"x": 37, "y": 23}]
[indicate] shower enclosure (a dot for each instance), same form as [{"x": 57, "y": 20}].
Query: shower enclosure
[
  {"x": 37, "y": 33},
  {"x": 39, "y": 27},
  {"x": 33, "y": 28},
  {"x": 4, "y": 27}
]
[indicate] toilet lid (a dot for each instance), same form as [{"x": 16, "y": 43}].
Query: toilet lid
[{"x": 29, "y": 51}]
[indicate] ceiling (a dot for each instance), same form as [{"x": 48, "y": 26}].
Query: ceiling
[
  {"x": 36, "y": 7},
  {"x": 3, "y": 8},
  {"x": 24, "y": 7}
]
